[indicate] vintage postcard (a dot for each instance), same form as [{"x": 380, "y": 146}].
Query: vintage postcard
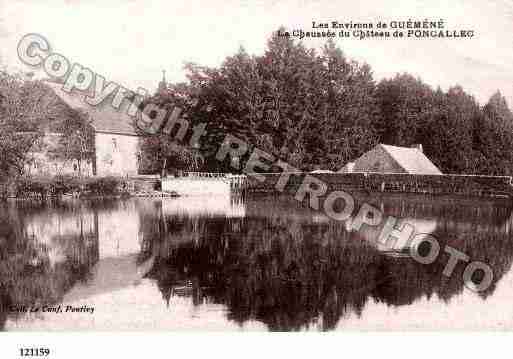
[{"x": 290, "y": 166}]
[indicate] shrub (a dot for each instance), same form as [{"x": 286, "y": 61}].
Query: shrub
[
  {"x": 7, "y": 186},
  {"x": 43, "y": 187},
  {"x": 67, "y": 184},
  {"x": 33, "y": 186},
  {"x": 105, "y": 186}
]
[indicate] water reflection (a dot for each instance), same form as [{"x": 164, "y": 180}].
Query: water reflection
[{"x": 223, "y": 263}]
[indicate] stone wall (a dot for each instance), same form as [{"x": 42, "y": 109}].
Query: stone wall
[
  {"x": 465, "y": 185},
  {"x": 116, "y": 155}
]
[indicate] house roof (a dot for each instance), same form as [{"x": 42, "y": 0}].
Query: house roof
[
  {"x": 412, "y": 160},
  {"x": 105, "y": 118}
]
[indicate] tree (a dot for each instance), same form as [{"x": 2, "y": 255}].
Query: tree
[
  {"x": 24, "y": 105},
  {"x": 161, "y": 154},
  {"x": 322, "y": 110},
  {"x": 494, "y": 136},
  {"x": 350, "y": 108},
  {"x": 406, "y": 105},
  {"x": 292, "y": 80},
  {"x": 229, "y": 100},
  {"x": 76, "y": 141},
  {"x": 449, "y": 135},
  {"x": 161, "y": 151},
  {"x": 290, "y": 102}
]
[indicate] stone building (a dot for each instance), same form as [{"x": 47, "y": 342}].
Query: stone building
[
  {"x": 394, "y": 159},
  {"x": 116, "y": 141}
]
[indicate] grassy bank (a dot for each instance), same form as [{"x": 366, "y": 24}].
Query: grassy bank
[{"x": 43, "y": 188}]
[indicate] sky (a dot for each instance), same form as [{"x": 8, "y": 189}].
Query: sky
[{"x": 132, "y": 41}]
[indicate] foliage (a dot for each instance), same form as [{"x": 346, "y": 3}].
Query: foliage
[
  {"x": 159, "y": 153},
  {"x": 28, "y": 109},
  {"x": 291, "y": 102},
  {"x": 321, "y": 110},
  {"x": 22, "y": 108},
  {"x": 104, "y": 185},
  {"x": 44, "y": 187},
  {"x": 457, "y": 134},
  {"x": 76, "y": 142}
]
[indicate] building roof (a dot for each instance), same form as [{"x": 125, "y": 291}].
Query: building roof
[
  {"x": 105, "y": 118},
  {"x": 412, "y": 160}
]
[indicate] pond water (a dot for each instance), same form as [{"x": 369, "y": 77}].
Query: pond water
[{"x": 219, "y": 263}]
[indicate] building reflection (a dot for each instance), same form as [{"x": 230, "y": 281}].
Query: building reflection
[{"x": 69, "y": 252}]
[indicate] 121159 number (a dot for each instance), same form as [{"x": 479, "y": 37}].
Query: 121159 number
[{"x": 34, "y": 352}]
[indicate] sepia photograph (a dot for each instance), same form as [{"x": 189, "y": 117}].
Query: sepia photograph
[{"x": 255, "y": 166}]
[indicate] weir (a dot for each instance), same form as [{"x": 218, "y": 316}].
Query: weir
[{"x": 204, "y": 183}]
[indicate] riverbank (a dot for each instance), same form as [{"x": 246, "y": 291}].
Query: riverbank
[{"x": 60, "y": 187}]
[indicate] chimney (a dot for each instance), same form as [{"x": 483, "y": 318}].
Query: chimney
[{"x": 418, "y": 146}]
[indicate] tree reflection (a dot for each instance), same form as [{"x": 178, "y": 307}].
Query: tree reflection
[
  {"x": 29, "y": 275},
  {"x": 282, "y": 266}
]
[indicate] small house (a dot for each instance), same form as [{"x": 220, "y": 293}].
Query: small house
[{"x": 394, "y": 159}]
